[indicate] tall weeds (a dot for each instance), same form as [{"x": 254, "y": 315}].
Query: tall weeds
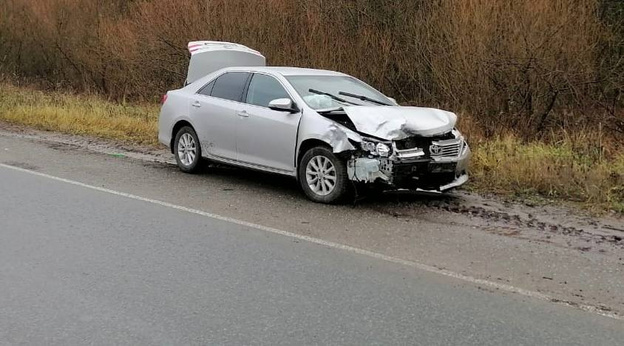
[{"x": 528, "y": 65}]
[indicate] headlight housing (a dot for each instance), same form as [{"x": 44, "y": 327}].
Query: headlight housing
[
  {"x": 376, "y": 148},
  {"x": 383, "y": 150}
]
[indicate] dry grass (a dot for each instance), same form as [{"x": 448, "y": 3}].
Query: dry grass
[
  {"x": 83, "y": 115},
  {"x": 559, "y": 170},
  {"x": 584, "y": 167}
]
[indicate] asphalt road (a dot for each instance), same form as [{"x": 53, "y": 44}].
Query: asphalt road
[
  {"x": 80, "y": 266},
  {"x": 579, "y": 267}
]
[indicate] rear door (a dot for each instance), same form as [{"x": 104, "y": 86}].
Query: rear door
[
  {"x": 266, "y": 137},
  {"x": 215, "y": 113}
]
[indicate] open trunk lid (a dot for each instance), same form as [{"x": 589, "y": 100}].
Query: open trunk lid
[{"x": 210, "y": 56}]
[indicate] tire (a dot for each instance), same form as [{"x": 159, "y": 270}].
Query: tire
[
  {"x": 331, "y": 185},
  {"x": 187, "y": 150}
]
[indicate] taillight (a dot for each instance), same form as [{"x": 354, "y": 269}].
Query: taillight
[{"x": 163, "y": 99}]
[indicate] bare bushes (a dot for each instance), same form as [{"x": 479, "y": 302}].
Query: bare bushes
[{"x": 530, "y": 65}]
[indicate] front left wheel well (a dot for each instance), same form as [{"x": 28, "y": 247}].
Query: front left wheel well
[
  {"x": 309, "y": 144},
  {"x": 323, "y": 175},
  {"x": 312, "y": 143}
]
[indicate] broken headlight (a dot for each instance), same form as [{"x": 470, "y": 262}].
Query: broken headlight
[
  {"x": 376, "y": 148},
  {"x": 383, "y": 150}
]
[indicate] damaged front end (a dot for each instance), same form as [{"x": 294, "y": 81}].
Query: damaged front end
[
  {"x": 400, "y": 147},
  {"x": 431, "y": 163}
]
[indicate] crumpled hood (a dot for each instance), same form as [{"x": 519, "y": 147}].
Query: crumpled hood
[{"x": 396, "y": 122}]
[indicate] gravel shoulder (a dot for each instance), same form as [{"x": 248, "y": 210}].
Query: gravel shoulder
[{"x": 554, "y": 250}]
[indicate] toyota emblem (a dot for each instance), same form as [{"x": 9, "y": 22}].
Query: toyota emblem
[{"x": 435, "y": 149}]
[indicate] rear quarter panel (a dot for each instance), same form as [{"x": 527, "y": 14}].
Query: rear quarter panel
[{"x": 175, "y": 109}]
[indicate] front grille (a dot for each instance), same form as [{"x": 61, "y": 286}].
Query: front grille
[
  {"x": 449, "y": 148},
  {"x": 421, "y": 142},
  {"x": 441, "y": 146}
]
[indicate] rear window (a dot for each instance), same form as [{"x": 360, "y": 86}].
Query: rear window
[
  {"x": 230, "y": 86},
  {"x": 207, "y": 89}
]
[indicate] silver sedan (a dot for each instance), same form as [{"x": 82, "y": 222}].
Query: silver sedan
[{"x": 330, "y": 131}]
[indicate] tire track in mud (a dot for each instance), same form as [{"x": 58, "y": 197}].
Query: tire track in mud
[
  {"x": 536, "y": 224},
  {"x": 577, "y": 232}
]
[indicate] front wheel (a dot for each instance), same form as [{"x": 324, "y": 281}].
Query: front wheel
[
  {"x": 187, "y": 150},
  {"x": 323, "y": 176}
]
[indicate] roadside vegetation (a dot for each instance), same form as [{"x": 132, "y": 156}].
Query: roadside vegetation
[
  {"x": 568, "y": 168},
  {"x": 537, "y": 84},
  {"x": 79, "y": 114}
]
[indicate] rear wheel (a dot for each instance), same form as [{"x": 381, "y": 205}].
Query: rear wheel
[
  {"x": 323, "y": 176},
  {"x": 187, "y": 150}
]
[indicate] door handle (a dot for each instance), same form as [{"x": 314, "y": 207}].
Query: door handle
[
  {"x": 196, "y": 104},
  {"x": 243, "y": 114}
]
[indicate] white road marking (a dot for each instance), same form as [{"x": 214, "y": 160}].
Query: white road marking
[{"x": 420, "y": 266}]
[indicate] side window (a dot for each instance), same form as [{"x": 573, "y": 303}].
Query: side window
[
  {"x": 264, "y": 89},
  {"x": 207, "y": 89},
  {"x": 230, "y": 86}
]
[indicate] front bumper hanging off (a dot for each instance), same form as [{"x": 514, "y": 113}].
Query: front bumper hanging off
[{"x": 415, "y": 170}]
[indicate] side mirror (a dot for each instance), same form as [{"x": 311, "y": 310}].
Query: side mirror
[{"x": 283, "y": 105}]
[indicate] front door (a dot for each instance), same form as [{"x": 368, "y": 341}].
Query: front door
[{"x": 265, "y": 137}]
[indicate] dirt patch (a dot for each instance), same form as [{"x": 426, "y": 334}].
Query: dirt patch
[
  {"x": 22, "y": 165},
  {"x": 63, "y": 142},
  {"x": 553, "y": 224}
]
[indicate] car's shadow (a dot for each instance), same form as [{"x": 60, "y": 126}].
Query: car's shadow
[{"x": 290, "y": 187}]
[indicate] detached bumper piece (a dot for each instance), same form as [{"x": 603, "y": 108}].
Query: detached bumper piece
[
  {"x": 365, "y": 170},
  {"x": 440, "y": 166},
  {"x": 428, "y": 175}
]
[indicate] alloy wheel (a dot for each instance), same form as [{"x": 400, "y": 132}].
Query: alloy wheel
[
  {"x": 321, "y": 175},
  {"x": 187, "y": 149}
]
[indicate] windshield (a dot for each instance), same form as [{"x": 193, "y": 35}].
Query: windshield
[{"x": 334, "y": 85}]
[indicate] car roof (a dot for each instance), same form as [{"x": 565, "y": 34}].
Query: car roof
[{"x": 287, "y": 71}]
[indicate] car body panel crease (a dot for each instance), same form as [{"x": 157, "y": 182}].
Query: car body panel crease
[{"x": 396, "y": 122}]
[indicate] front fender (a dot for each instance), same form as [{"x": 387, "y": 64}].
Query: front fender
[{"x": 338, "y": 137}]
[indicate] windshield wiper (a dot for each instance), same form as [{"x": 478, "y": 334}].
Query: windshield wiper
[
  {"x": 314, "y": 91},
  {"x": 363, "y": 98}
]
